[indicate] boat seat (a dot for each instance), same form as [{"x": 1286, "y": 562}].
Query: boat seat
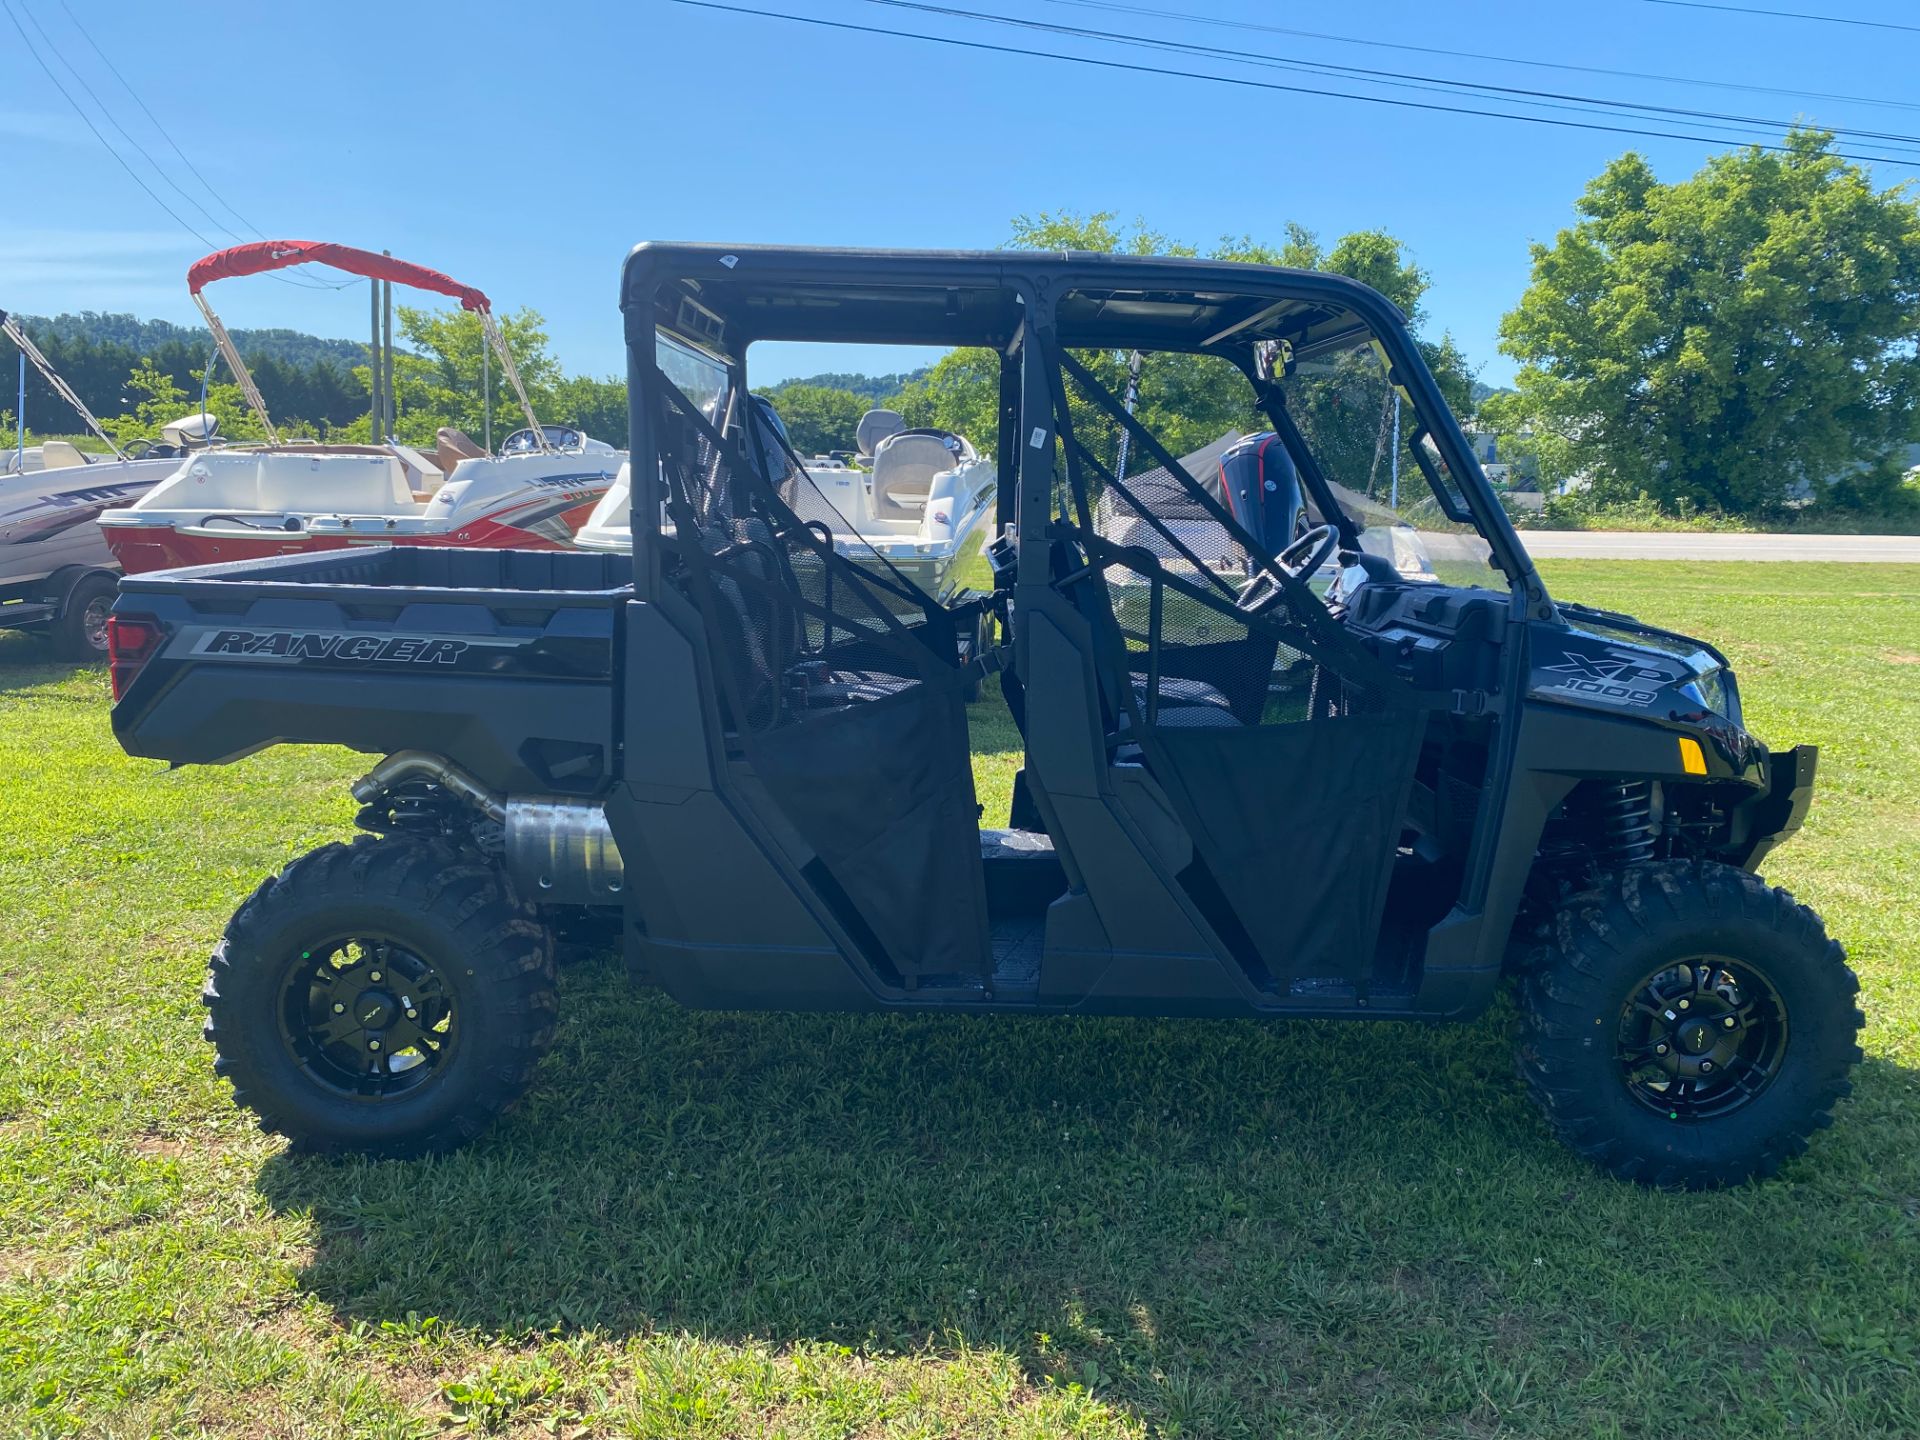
[
  {"x": 451, "y": 446},
  {"x": 904, "y": 468},
  {"x": 875, "y": 428},
  {"x": 60, "y": 455}
]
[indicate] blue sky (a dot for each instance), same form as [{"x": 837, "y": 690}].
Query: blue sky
[{"x": 524, "y": 148}]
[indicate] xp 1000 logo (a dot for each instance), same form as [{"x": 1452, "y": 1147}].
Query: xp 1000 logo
[{"x": 1618, "y": 677}]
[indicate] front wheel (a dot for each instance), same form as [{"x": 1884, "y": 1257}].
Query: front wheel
[
  {"x": 1686, "y": 1025},
  {"x": 391, "y": 996}
]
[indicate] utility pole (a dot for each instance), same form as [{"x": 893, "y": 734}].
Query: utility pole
[
  {"x": 1394, "y": 499},
  {"x": 378, "y": 407},
  {"x": 386, "y": 287},
  {"x": 20, "y": 420}
]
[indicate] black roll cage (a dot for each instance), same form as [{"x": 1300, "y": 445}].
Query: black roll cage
[{"x": 723, "y": 298}]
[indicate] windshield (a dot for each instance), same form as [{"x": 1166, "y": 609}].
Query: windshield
[
  {"x": 701, "y": 378},
  {"x": 1383, "y": 466}
]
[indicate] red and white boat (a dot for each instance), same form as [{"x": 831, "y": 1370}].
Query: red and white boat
[{"x": 287, "y": 497}]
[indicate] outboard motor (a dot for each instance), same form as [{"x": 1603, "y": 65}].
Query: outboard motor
[{"x": 1261, "y": 488}]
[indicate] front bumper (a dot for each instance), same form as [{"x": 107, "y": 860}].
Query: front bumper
[{"x": 1772, "y": 814}]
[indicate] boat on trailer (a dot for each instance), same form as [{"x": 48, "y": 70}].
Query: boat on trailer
[
  {"x": 52, "y": 554},
  {"x": 912, "y": 501},
  {"x": 289, "y": 496}
]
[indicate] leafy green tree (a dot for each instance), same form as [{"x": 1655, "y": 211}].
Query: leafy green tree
[
  {"x": 818, "y": 418},
  {"x": 1730, "y": 340},
  {"x": 159, "y": 400},
  {"x": 439, "y": 380},
  {"x": 1188, "y": 400},
  {"x": 598, "y": 407},
  {"x": 961, "y": 393}
]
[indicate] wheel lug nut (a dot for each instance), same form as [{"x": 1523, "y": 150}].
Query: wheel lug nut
[
  {"x": 375, "y": 978},
  {"x": 338, "y": 1008},
  {"x": 1659, "y": 1049},
  {"x": 1729, "y": 1022},
  {"x": 1705, "y": 1065},
  {"x": 413, "y": 1014},
  {"x": 373, "y": 1044},
  {"x": 1683, "y": 1004}
]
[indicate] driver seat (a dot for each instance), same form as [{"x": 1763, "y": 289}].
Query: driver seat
[
  {"x": 1184, "y": 702},
  {"x": 451, "y": 446}
]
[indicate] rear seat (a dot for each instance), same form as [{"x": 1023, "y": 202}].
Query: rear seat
[
  {"x": 1187, "y": 703},
  {"x": 771, "y": 637}
]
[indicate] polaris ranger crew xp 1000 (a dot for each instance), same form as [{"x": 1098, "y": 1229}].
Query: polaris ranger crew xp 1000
[{"x": 1253, "y": 783}]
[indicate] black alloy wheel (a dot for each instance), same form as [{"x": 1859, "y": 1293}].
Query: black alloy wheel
[
  {"x": 365, "y": 1016},
  {"x": 1702, "y": 1038}
]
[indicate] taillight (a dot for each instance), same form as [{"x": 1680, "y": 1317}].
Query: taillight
[{"x": 132, "y": 640}]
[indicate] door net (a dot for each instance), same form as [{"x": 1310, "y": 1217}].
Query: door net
[
  {"x": 1288, "y": 749},
  {"x": 837, "y": 682}
]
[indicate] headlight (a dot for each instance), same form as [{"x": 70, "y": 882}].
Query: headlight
[{"x": 1709, "y": 691}]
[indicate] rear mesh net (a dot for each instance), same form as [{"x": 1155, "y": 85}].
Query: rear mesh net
[
  {"x": 839, "y": 683},
  {"x": 1268, "y": 731}
]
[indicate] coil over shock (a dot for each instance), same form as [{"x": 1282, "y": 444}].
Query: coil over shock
[{"x": 1624, "y": 813}]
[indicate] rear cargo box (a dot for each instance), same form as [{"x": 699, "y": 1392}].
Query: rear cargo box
[{"x": 500, "y": 660}]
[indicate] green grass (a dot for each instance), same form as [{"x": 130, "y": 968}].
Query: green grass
[{"x": 717, "y": 1225}]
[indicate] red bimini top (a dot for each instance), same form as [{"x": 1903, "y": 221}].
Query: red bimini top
[{"x": 264, "y": 255}]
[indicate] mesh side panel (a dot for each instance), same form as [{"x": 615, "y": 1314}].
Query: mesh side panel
[
  {"x": 1287, "y": 665},
  {"x": 797, "y": 623},
  {"x": 803, "y": 493},
  {"x": 1261, "y": 724},
  {"x": 839, "y": 688}
]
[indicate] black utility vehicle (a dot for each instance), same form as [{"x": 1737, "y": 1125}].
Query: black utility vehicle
[{"x": 1243, "y": 794}]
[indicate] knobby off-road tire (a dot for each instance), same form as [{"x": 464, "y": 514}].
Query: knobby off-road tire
[
  {"x": 1718, "y": 968},
  {"x": 391, "y": 997}
]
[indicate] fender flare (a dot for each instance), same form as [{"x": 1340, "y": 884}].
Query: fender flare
[{"x": 60, "y": 585}]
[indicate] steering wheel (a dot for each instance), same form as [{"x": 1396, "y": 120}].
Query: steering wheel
[{"x": 1301, "y": 557}]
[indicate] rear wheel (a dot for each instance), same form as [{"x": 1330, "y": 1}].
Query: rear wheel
[
  {"x": 1688, "y": 1025},
  {"x": 391, "y": 996},
  {"x": 80, "y": 634}
]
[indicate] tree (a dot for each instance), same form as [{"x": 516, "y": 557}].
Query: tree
[
  {"x": 440, "y": 382},
  {"x": 160, "y": 400},
  {"x": 599, "y": 407},
  {"x": 1730, "y": 341},
  {"x": 1188, "y": 400},
  {"x": 818, "y": 418}
]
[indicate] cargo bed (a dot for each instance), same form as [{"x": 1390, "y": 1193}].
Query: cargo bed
[{"x": 500, "y": 660}]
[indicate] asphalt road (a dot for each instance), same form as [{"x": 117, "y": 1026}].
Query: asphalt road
[{"x": 1678, "y": 545}]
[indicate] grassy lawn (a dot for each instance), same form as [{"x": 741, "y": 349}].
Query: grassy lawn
[{"x": 718, "y": 1225}]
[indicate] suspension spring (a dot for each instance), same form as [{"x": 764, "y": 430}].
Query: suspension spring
[{"x": 1625, "y": 813}]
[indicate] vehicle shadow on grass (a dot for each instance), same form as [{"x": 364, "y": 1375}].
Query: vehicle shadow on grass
[
  {"x": 27, "y": 662},
  {"x": 1203, "y": 1215}
]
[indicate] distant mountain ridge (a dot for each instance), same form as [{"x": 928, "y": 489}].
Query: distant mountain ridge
[
  {"x": 289, "y": 347},
  {"x": 873, "y": 387}
]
